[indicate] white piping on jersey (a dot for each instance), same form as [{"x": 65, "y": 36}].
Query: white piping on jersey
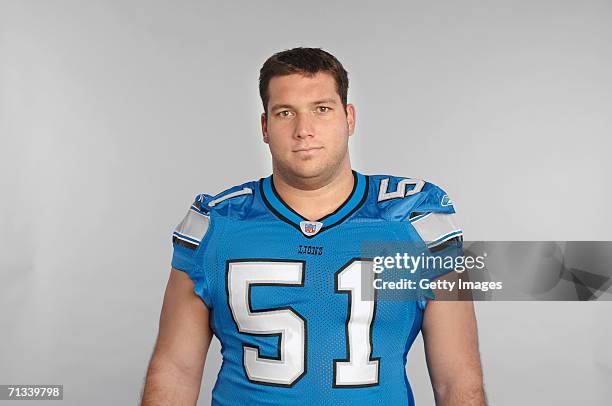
[
  {"x": 419, "y": 217},
  {"x": 195, "y": 209},
  {"x": 186, "y": 238},
  {"x": 244, "y": 191},
  {"x": 447, "y": 237}
]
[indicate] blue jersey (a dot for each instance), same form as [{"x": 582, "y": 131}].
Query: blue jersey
[{"x": 285, "y": 293}]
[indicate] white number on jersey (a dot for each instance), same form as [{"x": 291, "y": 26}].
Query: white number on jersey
[
  {"x": 286, "y": 323},
  {"x": 400, "y": 191},
  {"x": 356, "y": 371}
]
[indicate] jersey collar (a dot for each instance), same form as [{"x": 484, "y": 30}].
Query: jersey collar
[{"x": 282, "y": 210}]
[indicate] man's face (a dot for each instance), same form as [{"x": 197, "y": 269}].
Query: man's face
[{"x": 306, "y": 127}]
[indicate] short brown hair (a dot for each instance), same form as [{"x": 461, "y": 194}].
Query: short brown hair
[{"x": 306, "y": 61}]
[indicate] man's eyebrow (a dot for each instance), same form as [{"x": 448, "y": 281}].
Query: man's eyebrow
[
  {"x": 326, "y": 101},
  {"x": 281, "y": 106},
  {"x": 288, "y": 106}
]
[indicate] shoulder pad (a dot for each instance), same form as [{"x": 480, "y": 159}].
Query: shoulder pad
[
  {"x": 435, "y": 199},
  {"x": 234, "y": 201},
  {"x": 425, "y": 205},
  {"x": 398, "y": 198},
  {"x": 433, "y": 218}
]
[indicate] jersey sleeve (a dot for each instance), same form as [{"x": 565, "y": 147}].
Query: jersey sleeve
[
  {"x": 187, "y": 238},
  {"x": 434, "y": 220}
]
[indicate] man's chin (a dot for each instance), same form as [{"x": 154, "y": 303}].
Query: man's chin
[{"x": 308, "y": 171}]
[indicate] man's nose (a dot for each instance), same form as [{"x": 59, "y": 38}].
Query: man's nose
[{"x": 304, "y": 126}]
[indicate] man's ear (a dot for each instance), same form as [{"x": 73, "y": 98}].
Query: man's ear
[
  {"x": 350, "y": 118},
  {"x": 264, "y": 127}
]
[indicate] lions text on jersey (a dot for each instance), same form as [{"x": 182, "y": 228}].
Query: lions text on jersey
[{"x": 285, "y": 293}]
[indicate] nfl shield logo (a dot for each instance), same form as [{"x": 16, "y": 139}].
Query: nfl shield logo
[{"x": 310, "y": 227}]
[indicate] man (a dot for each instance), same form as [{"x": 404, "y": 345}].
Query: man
[{"x": 273, "y": 268}]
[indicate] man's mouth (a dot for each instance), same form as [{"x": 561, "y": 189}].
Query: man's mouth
[{"x": 307, "y": 149}]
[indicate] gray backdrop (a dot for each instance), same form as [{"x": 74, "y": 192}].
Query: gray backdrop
[{"x": 114, "y": 114}]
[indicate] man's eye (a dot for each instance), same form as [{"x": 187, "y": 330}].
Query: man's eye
[
  {"x": 284, "y": 113},
  {"x": 323, "y": 109}
]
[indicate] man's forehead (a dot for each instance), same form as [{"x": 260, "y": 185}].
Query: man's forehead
[{"x": 322, "y": 84}]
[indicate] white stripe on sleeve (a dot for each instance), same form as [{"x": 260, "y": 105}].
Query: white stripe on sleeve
[
  {"x": 435, "y": 227},
  {"x": 193, "y": 226}
]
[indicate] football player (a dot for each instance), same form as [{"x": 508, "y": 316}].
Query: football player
[{"x": 273, "y": 268}]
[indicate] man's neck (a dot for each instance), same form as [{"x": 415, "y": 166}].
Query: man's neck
[{"x": 315, "y": 198}]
